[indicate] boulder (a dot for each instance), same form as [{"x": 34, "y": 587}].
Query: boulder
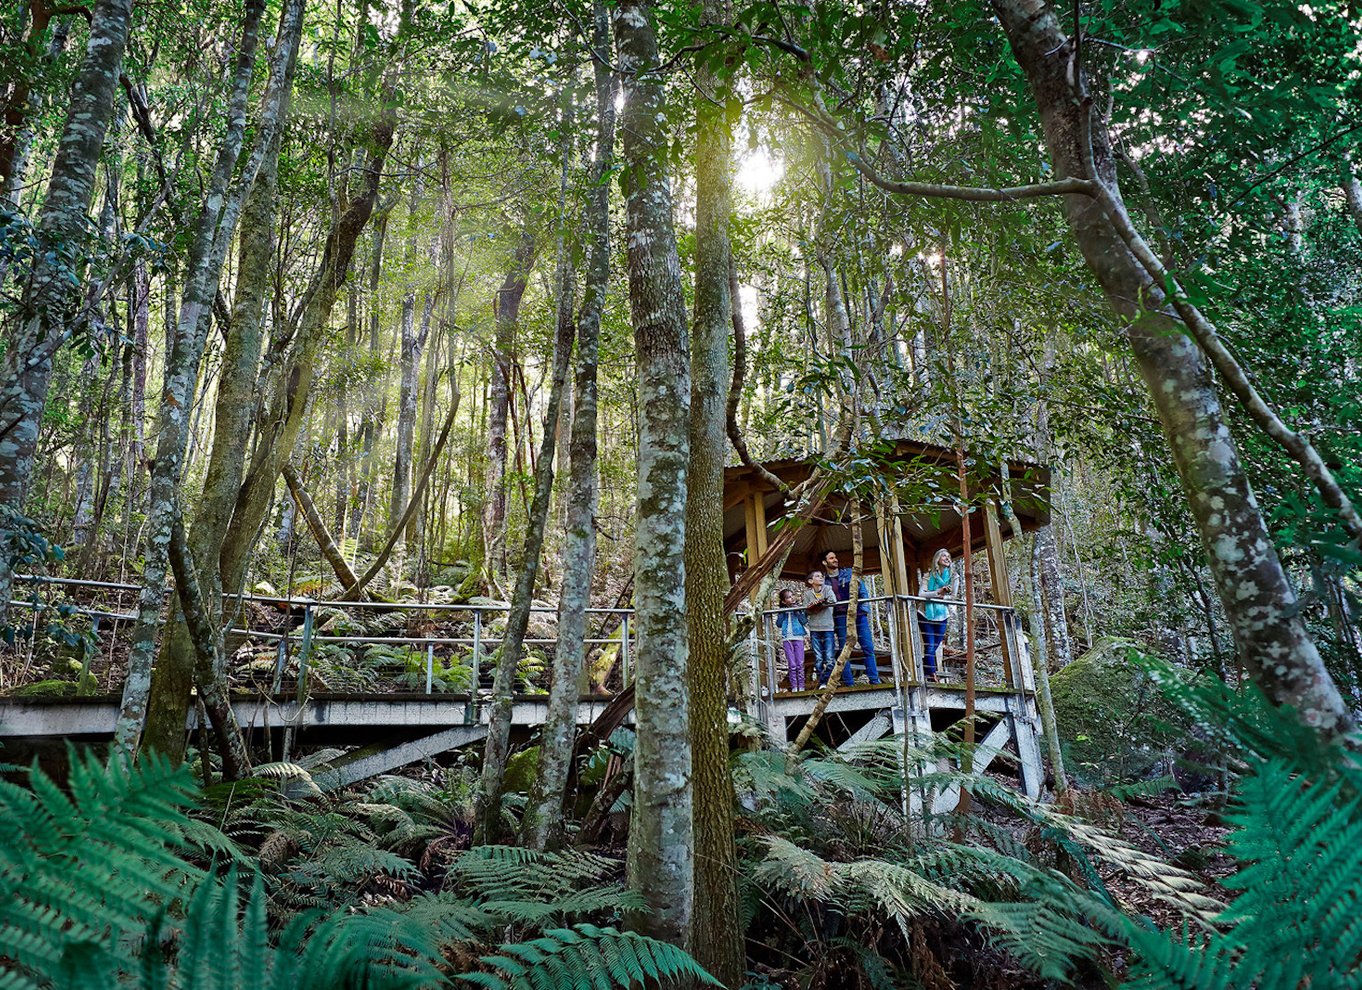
[{"x": 1113, "y": 722}]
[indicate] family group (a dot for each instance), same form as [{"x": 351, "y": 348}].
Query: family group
[{"x": 821, "y": 618}]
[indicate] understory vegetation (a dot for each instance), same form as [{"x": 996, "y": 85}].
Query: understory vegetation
[{"x": 138, "y": 877}]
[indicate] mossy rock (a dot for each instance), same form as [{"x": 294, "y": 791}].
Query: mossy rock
[
  {"x": 1113, "y": 722},
  {"x": 45, "y": 689},
  {"x": 521, "y": 770}
]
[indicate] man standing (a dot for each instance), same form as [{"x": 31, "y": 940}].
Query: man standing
[{"x": 839, "y": 579}]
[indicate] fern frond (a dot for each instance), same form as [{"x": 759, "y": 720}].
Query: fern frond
[{"x": 586, "y": 956}]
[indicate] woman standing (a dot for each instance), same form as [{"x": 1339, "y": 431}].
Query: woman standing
[{"x": 933, "y": 619}]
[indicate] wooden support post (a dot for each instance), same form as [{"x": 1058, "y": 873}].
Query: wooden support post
[
  {"x": 759, "y": 516},
  {"x": 1002, "y": 591},
  {"x": 899, "y": 665},
  {"x": 1021, "y": 715},
  {"x": 749, "y": 513}
]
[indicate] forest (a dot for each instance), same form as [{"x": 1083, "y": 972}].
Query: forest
[{"x": 614, "y": 493}]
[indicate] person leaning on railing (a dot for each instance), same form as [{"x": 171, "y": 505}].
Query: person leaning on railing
[{"x": 932, "y": 619}]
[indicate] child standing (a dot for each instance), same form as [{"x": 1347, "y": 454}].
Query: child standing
[
  {"x": 818, "y": 602},
  {"x": 791, "y": 626}
]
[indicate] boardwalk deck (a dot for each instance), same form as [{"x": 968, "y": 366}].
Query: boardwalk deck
[{"x": 387, "y": 729}]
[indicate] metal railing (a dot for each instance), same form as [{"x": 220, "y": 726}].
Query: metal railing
[
  {"x": 1000, "y": 648},
  {"x": 481, "y": 641},
  {"x": 1001, "y": 659}
]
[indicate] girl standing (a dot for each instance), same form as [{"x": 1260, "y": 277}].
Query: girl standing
[{"x": 791, "y": 625}]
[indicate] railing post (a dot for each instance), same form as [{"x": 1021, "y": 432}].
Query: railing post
[
  {"x": 895, "y": 660},
  {"x": 279, "y": 660},
  {"x": 304, "y": 653},
  {"x": 754, "y": 669},
  {"x": 624, "y": 650},
  {"x": 470, "y": 712},
  {"x": 430, "y": 666},
  {"x": 916, "y": 651},
  {"x": 768, "y": 633}
]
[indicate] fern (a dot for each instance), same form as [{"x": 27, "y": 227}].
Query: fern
[
  {"x": 65, "y": 861},
  {"x": 1297, "y": 813},
  {"x": 586, "y": 956}
]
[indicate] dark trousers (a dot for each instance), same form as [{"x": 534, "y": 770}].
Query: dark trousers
[
  {"x": 933, "y": 635},
  {"x": 839, "y": 627},
  {"x": 824, "y": 653}
]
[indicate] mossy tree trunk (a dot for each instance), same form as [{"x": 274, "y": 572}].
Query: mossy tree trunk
[
  {"x": 1259, "y": 600},
  {"x": 661, "y": 846},
  {"x": 213, "y": 233},
  {"x": 48, "y": 296},
  {"x": 543, "y": 818},
  {"x": 716, "y": 935},
  {"x": 497, "y": 749},
  {"x": 177, "y": 663}
]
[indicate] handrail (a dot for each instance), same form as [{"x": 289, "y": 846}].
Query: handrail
[
  {"x": 339, "y": 603},
  {"x": 876, "y": 599}
]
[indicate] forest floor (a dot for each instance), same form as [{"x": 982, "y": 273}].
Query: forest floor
[{"x": 1182, "y": 830}]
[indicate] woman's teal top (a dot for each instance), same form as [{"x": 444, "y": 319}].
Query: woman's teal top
[{"x": 937, "y": 580}]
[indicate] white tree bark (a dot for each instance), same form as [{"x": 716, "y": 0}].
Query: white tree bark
[
  {"x": 48, "y": 296},
  {"x": 1259, "y": 600},
  {"x": 661, "y": 863},
  {"x": 543, "y": 817}
]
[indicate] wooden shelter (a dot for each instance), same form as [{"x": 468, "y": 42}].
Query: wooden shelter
[{"x": 918, "y": 513}]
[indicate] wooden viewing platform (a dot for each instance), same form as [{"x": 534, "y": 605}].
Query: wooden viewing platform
[{"x": 394, "y": 727}]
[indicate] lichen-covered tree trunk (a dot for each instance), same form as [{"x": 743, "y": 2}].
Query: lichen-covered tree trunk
[
  {"x": 213, "y": 231},
  {"x": 499, "y": 728},
  {"x": 369, "y": 418},
  {"x": 283, "y": 420},
  {"x": 507, "y": 313},
  {"x": 409, "y": 364},
  {"x": 716, "y": 932},
  {"x": 48, "y": 295},
  {"x": 661, "y": 849},
  {"x": 1040, "y": 637},
  {"x": 1259, "y": 601},
  {"x": 542, "y": 826},
  {"x": 179, "y": 664}
]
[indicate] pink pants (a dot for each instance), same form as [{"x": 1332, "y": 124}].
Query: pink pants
[{"x": 794, "y": 662}]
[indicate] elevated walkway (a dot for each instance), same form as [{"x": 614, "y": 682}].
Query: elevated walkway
[{"x": 282, "y": 698}]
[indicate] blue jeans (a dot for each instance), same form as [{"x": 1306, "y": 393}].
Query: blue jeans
[
  {"x": 839, "y": 623},
  {"x": 824, "y": 653},
  {"x": 933, "y": 635}
]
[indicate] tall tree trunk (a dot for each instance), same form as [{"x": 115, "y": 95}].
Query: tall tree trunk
[
  {"x": 369, "y": 419},
  {"x": 213, "y": 232},
  {"x": 661, "y": 855},
  {"x": 23, "y": 100},
  {"x": 287, "y": 409},
  {"x": 506, "y": 309},
  {"x": 48, "y": 296},
  {"x": 1259, "y": 601},
  {"x": 178, "y": 664},
  {"x": 716, "y": 932},
  {"x": 409, "y": 364},
  {"x": 416, "y": 529},
  {"x": 1040, "y": 636},
  {"x": 543, "y": 816},
  {"x": 499, "y": 727}
]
